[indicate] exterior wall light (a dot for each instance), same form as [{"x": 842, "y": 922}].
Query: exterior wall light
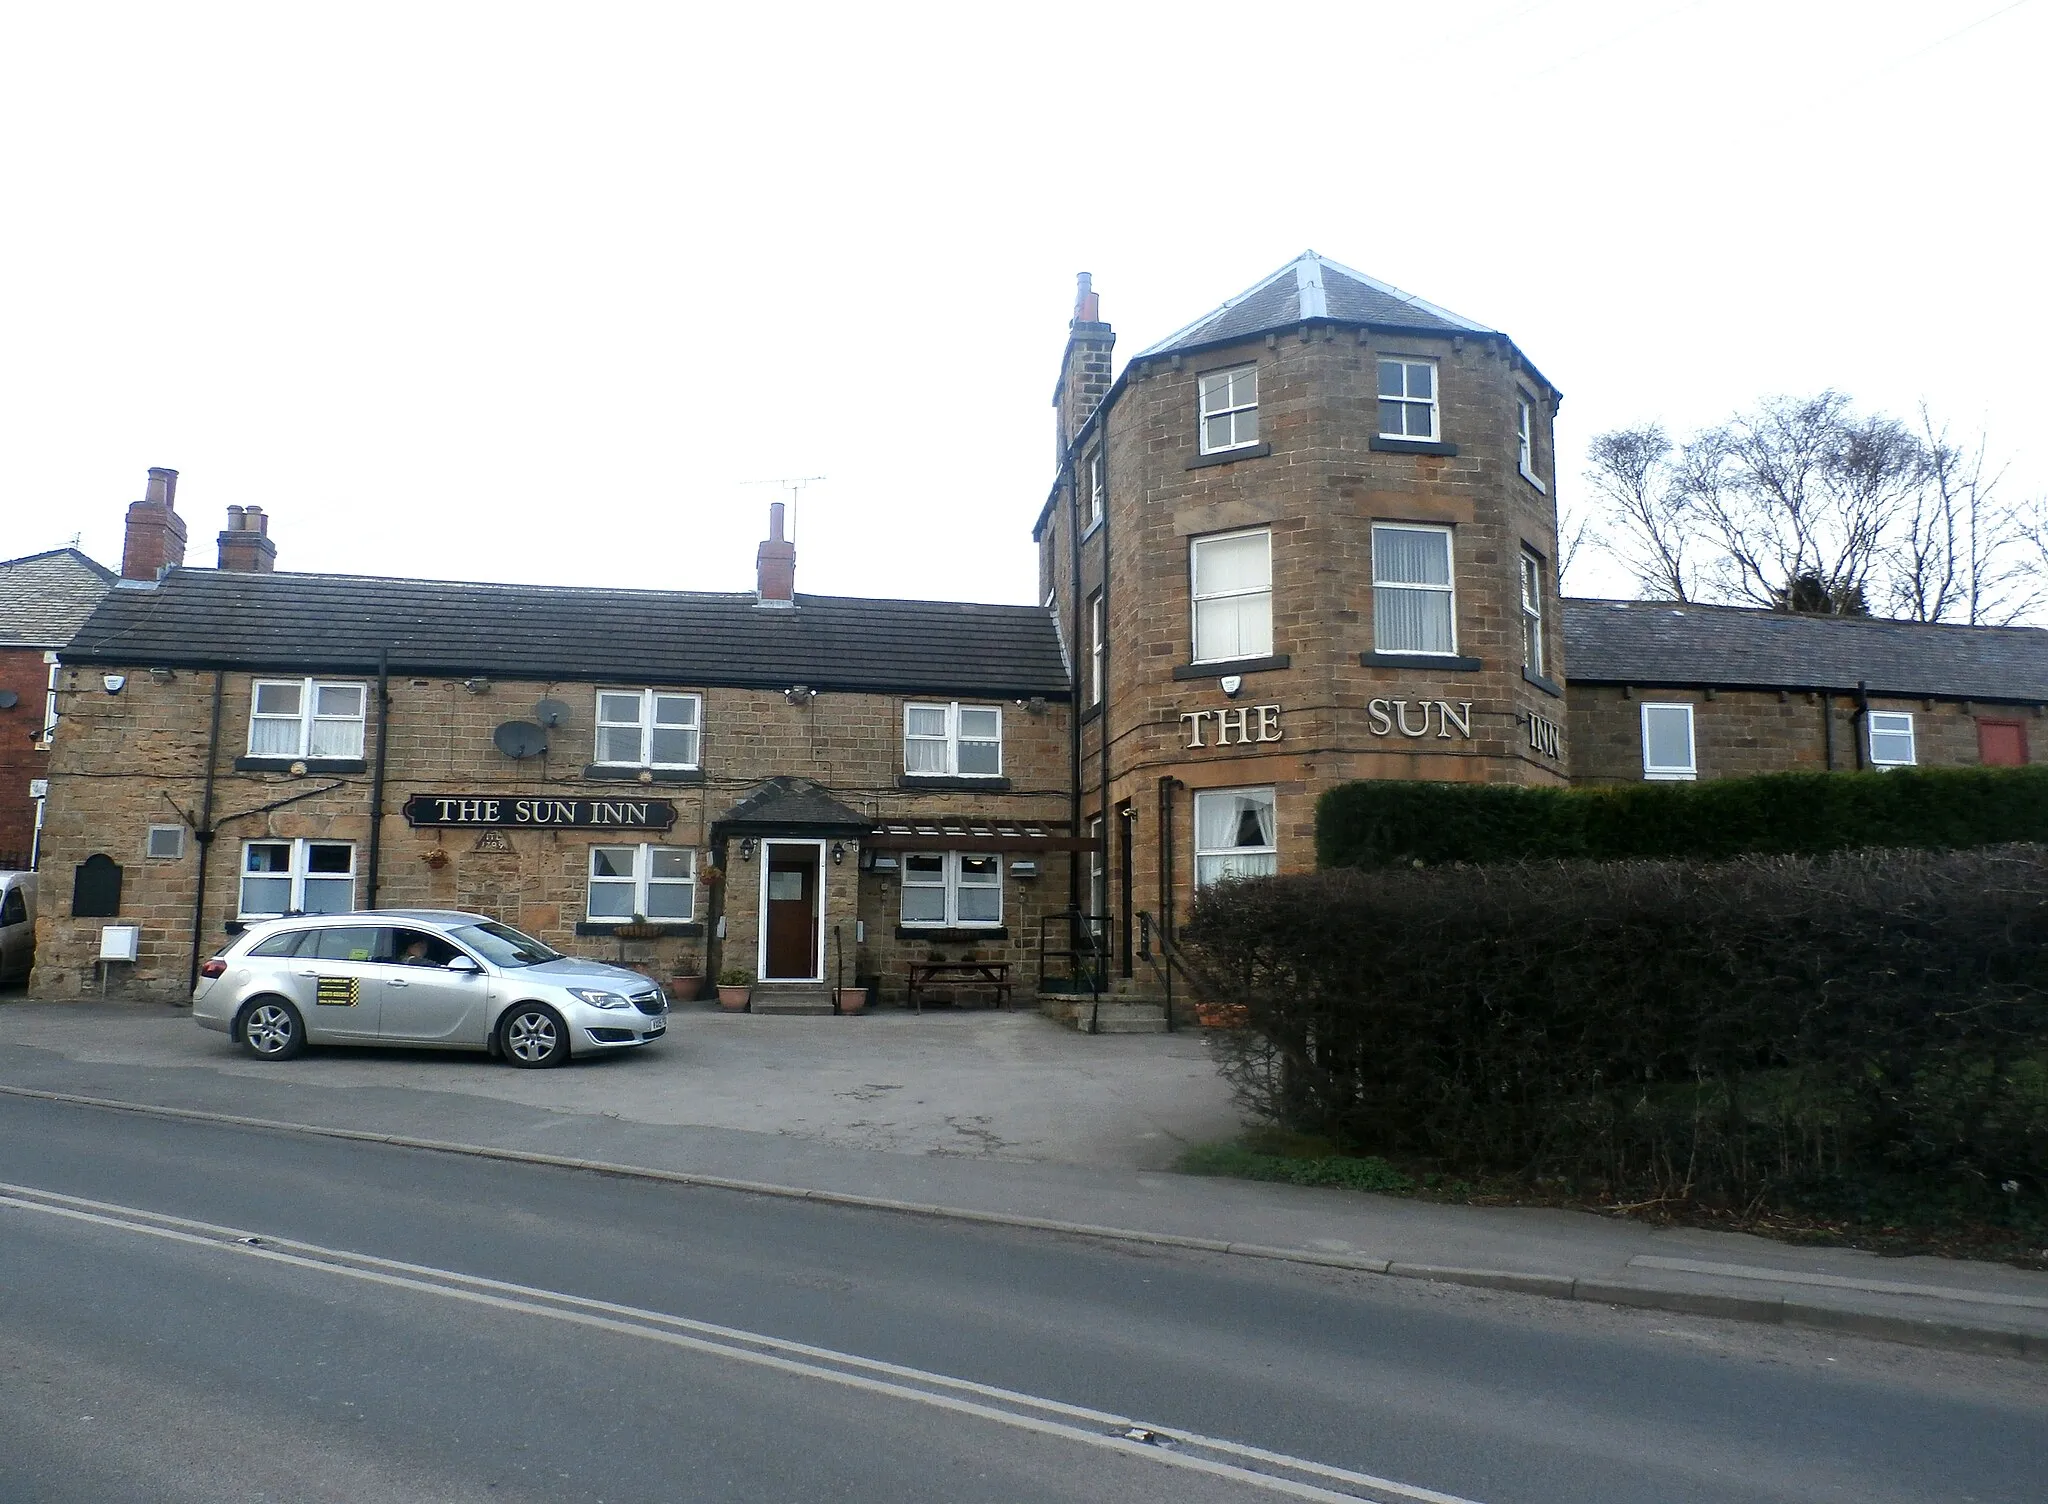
[
  {"x": 838, "y": 852},
  {"x": 746, "y": 848}
]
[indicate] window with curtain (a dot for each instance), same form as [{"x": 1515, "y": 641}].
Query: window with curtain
[
  {"x": 1532, "y": 612},
  {"x": 306, "y": 718},
  {"x": 644, "y": 728},
  {"x": 1414, "y": 606},
  {"x": 952, "y": 889},
  {"x": 1235, "y": 834},
  {"x": 1231, "y": 580},
  {"x": 955, "y": 740}
]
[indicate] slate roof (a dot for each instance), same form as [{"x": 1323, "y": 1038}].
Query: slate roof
[
  {"x": 1313, "y": 287},
  {"x": 793, "y": 804},
  {"x": 46, "y": 597},
  {"x": 205, "y": 618},
  {"x": 1660, "y": 642}
]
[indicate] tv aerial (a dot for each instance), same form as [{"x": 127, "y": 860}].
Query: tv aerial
[{"x": 794, "y": 484}]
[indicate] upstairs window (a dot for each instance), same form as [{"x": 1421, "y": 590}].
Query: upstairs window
[
  {"x": 297, "y": 877},
  {"x": 952, "y": 889},
  {"x": 955, "y": 740},
  {"x": 306, "y": 718},
  {"x": 1891, "y": 739},
  {"x": 655, "y": 882},
  {"x": 1231, "y": 582},
  {"x": 1408, "y": 399},
  {"x": 1667, "y": 743},
  {"x": 1414, "y": 604},
  {"x": 1230, "y": 409},
  {"x": 1532, "y": 612},
  {"x": 1235, "y": 835},
  {"x": 1525, "y": 441},
  {"x": 647, "y": 728},
  {"x": 1098, "y": 488}
]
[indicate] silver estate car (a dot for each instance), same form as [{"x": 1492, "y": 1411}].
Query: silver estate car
[{"x": 420, "y": 977}]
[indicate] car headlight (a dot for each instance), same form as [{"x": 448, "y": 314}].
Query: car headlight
[{"x": 597, "y": 999}]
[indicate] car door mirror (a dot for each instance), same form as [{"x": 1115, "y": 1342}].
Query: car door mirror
[{"x": 463, "y": 964}]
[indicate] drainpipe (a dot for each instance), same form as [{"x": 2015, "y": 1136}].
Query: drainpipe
[
  {"x": 204, "y": 835},
  {"x": 1827, "y": 727},
  {"x": 377, "y": 772},
  {"x": 1862, "y": 721},
  {"x": 1064, "y": 493},
  {"x": 1102, "y": 718},
  {"x": 1166, "y": 784}
]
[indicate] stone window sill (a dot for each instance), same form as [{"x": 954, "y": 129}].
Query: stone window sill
[
  {"x": 1187, "y": 671},
  {"x": 309, "y": 764},
  {"x": 1092, "y": 713},
  {"x": 1549, "y": 686},
  {"x": 1443, "y": 663},
  {"x": 1532, "y": 480},
  {"x": 951, "y": 782},
  {"x": 1229, "y": 456},
  {"x": 1412, "y": 446},
  {"x": 599, "y": 773},
  {"x": 690, "y": 929},
  {"x": 938, "y": 936}
]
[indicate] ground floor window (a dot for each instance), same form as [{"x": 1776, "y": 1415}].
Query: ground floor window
[
  {"x": 1891, "y": 739},
  {"x": 1667, "y": 743},
  {"x": 1235, "y": 834},
  {"x": 952, "y": 888},
  {"x": 297, "y": 877},
  {"x": 653, "y": 882}
]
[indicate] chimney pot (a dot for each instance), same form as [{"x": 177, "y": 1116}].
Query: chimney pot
[
  {"x": 245, "y": 547},
  {"x": 1087, "y": 305},
  {"x": 155, "y": 537}
]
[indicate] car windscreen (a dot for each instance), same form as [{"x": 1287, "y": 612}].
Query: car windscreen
[{"x": 502, "y": 945}]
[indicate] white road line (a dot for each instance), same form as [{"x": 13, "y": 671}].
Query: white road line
[{"x": 1026, "y": 1412}]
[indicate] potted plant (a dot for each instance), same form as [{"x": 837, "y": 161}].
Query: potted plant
[
  {"x": 685, "y": 986},
  {"x": 735, "y": 987},
  {"x": 852, "y": 999}
]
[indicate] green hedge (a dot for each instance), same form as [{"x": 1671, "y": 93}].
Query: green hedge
[{"x": 1385, "y": 824}]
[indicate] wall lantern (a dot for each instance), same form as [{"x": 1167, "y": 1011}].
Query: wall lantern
[
  {"x": 746, "y": 848},
  {"x": 162, "y": 675},
  {"x": 838, "y": 852},
  {"x": 1024, "y": 869}
]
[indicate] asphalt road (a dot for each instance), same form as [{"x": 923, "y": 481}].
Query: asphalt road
[{"x": 412, "y": 1326}]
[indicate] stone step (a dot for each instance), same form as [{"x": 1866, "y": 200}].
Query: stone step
[
  {"x": 1122, "y": 1017},
  {"x": 793, "y": 999}
]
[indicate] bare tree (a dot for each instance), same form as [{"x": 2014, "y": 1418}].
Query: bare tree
[
  {"x": 1576, "y": 537},
  {"x": 1647, "y": 487},
  {"x": 1960, "y": 552},
  {"x": 1798, "y": 498}
]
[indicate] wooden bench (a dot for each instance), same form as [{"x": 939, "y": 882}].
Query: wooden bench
[{"x": 991, "y": 974}]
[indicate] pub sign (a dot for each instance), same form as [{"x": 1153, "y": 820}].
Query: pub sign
[{"x": 497, "y": 812}]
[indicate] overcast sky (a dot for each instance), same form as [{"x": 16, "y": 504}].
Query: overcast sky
[{"x": 539, "y": 293}]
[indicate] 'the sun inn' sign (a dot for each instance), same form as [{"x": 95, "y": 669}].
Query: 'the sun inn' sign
[{"x": 495, "y": 811}]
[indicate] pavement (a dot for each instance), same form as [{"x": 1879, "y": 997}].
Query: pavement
[{"x": 988, "y": 1117}]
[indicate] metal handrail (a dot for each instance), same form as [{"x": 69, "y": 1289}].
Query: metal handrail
[{"x": 1096, "y": 930}]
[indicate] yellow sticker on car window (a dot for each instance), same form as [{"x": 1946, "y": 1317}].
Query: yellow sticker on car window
[
  {"x": 359, "y": 955},
  {"x": 337, "y": 992}
]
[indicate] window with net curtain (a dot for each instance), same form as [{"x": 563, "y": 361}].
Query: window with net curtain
[
  {"x": 302, "y": 718},
  {"x": 1235, "y": 834},
  {"x": 1231, "y": 579},
  {"x": 1413, "y": 602}
]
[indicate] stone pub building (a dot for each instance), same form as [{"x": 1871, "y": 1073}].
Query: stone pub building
[{"x": 1308, "y": 538}]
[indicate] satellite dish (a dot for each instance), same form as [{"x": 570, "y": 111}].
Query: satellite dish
[
  {"x": 551, "y": 712},
  {"x": 520, "y": 739}
]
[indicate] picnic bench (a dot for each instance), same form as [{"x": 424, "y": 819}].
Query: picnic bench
[{"x": 991, "y": 974}]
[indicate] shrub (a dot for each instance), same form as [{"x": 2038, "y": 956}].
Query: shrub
[
  {"x": 1388, "y": 823},
  {"x": 1727, "y": 1031}
]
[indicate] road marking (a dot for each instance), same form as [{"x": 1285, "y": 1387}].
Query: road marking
[
  {"x": 1274, "y": 1472},
  {"x": 1839, "y": 1282}
]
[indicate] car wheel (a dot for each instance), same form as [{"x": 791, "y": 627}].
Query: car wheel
[
  {"x": 271, "y": 1029},
  {"x": 533, "y": 1035}
]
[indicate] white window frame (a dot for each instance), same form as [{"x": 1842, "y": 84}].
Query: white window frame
[
  {"x": 953, "y": 738},
  {"x": 641, "y": 882},
  {"x": 1671, "y": 773},
  {"x": 1525, "y": 439},
  {"x": 950, "y": 880},
  {"x": 1532, "y": 611},
  {"x": 1196, "y": 595},
  {"x": 1892, "y": 728},
  {"x": 1448, "y": 590},
  {"x": 1243, "y": 414},
  {"x": 649, "y": 700},
  {"x": 1202, "y": 851},
  {"x": 1097, "y": 472},
  {"x": 309, "y": 698},
  {"x": 302, "y": 847},
  {"x": 1095, "y": 648},
  {"x": 149, "y": 851},
  {"x": 1404, "y": 401}
]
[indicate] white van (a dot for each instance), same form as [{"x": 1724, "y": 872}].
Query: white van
[{"x": 17, "y": 927}]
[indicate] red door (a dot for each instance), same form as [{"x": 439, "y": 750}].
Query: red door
[{"x": 2002, "y": 744}]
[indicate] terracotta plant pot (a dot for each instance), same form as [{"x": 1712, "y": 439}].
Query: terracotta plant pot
[
  {"x": 1222, "y": 1015},
  {"x": 734, "y": 999},
  {"x": 686, "y": 987},
  {"x": 853, "y": 999}
]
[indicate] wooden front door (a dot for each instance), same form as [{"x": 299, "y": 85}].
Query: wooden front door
[
  {"x": 792, "y": 912},
  {"x": 2002, "y": 744}
]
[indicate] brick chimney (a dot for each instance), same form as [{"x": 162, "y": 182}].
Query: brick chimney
[
  {"x": 156, "y": 533},
  {"x": 246, "y": 544},
  {"x": 1084, "y": 368},
  {"x": 775, "y": 564}
]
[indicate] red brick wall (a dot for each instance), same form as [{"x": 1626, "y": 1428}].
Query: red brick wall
[{"x": 23, "y": 671}]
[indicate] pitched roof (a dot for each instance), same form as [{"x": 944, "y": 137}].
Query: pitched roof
[
  {"x": 793, "y": 804},
  {"x": 46, "y": 597},
  {"x": 1662, "y": 642},
  {"x": 1313, "y": 287},
  {"x": 326, "y": 622}
]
